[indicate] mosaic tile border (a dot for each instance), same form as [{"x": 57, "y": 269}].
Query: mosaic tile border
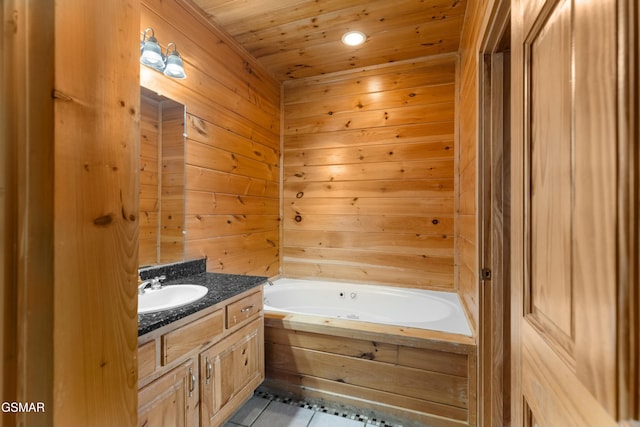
[{"x": 326, "y": 409}]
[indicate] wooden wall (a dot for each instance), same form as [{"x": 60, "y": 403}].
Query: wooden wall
[
  {"x": 466, "y": 204},
  {"x": 233, "y": 142},
  {"x": 26, "y": 208},
  {"x": 368, "y": 175},
  {"x": 96, "y": 129}
]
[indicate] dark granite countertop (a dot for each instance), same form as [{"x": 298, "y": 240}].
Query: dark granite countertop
[{"x": 221, "y": 287}]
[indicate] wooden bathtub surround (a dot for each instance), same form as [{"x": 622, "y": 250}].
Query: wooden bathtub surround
[
  {"x": 368, "y": 175},
  {"x": 201, "y": 369},
  {"x": 423, "y": 376}
]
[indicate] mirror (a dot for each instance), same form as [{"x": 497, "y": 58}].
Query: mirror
[{"x": 162, "y": 156}]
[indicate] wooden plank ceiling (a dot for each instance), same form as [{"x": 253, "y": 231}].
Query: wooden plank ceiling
[{"x": 301, "y": 38}]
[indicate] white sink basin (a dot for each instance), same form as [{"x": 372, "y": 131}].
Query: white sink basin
[{"x": 169, "y": 297}]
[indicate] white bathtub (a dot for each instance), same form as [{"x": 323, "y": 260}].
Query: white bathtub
[{"x": 413, "y": 308}]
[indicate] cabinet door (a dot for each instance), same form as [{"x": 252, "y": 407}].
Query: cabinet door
[
  {"x": 170, "y": 400},
  {"x": 228, "y": 370},
  {"x": 244, "y": 363}
]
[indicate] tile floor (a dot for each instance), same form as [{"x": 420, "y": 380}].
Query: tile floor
[{"x": 267, "y": 410}]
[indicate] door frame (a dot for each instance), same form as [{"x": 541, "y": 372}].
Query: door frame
[
  {"x": 629, "y": 212},
  {"x": 493, "y": 219}
]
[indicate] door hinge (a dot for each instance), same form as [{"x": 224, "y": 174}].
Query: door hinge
[{"x": 485, "y": 274}]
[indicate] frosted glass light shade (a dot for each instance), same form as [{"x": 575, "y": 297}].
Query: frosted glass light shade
[
  {"x": 354, "y": 38},
  {"x": 174, "y": 67},
  {"x": 151, "y": 55}
]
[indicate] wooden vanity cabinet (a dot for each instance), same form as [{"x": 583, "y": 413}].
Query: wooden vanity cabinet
[{"x": 202, "y": 369}]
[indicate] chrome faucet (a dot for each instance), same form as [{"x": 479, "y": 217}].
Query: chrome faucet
[{"x": 155, "y": 284}]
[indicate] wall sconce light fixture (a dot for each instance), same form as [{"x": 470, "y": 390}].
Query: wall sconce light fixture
[{"x": 151, "y": 55}]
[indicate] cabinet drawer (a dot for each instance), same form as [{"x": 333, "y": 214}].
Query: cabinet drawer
[
  {"x": 177, "y": 343},
  {"x": 240, "y": 311}
]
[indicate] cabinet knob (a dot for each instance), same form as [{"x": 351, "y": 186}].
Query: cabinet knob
[{"x": 247, "y": 308}]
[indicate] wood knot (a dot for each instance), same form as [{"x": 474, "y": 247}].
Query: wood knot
[
  {"x": 368, "y": 356},
  {"x": 103, "y": 221},
  {"x": 56, "y": 94}
]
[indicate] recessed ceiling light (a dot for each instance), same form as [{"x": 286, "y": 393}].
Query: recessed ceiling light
[{"x": 353, "y": 38}]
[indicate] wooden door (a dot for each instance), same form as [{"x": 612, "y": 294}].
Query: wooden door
[{"x": 565, "y": 207}]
